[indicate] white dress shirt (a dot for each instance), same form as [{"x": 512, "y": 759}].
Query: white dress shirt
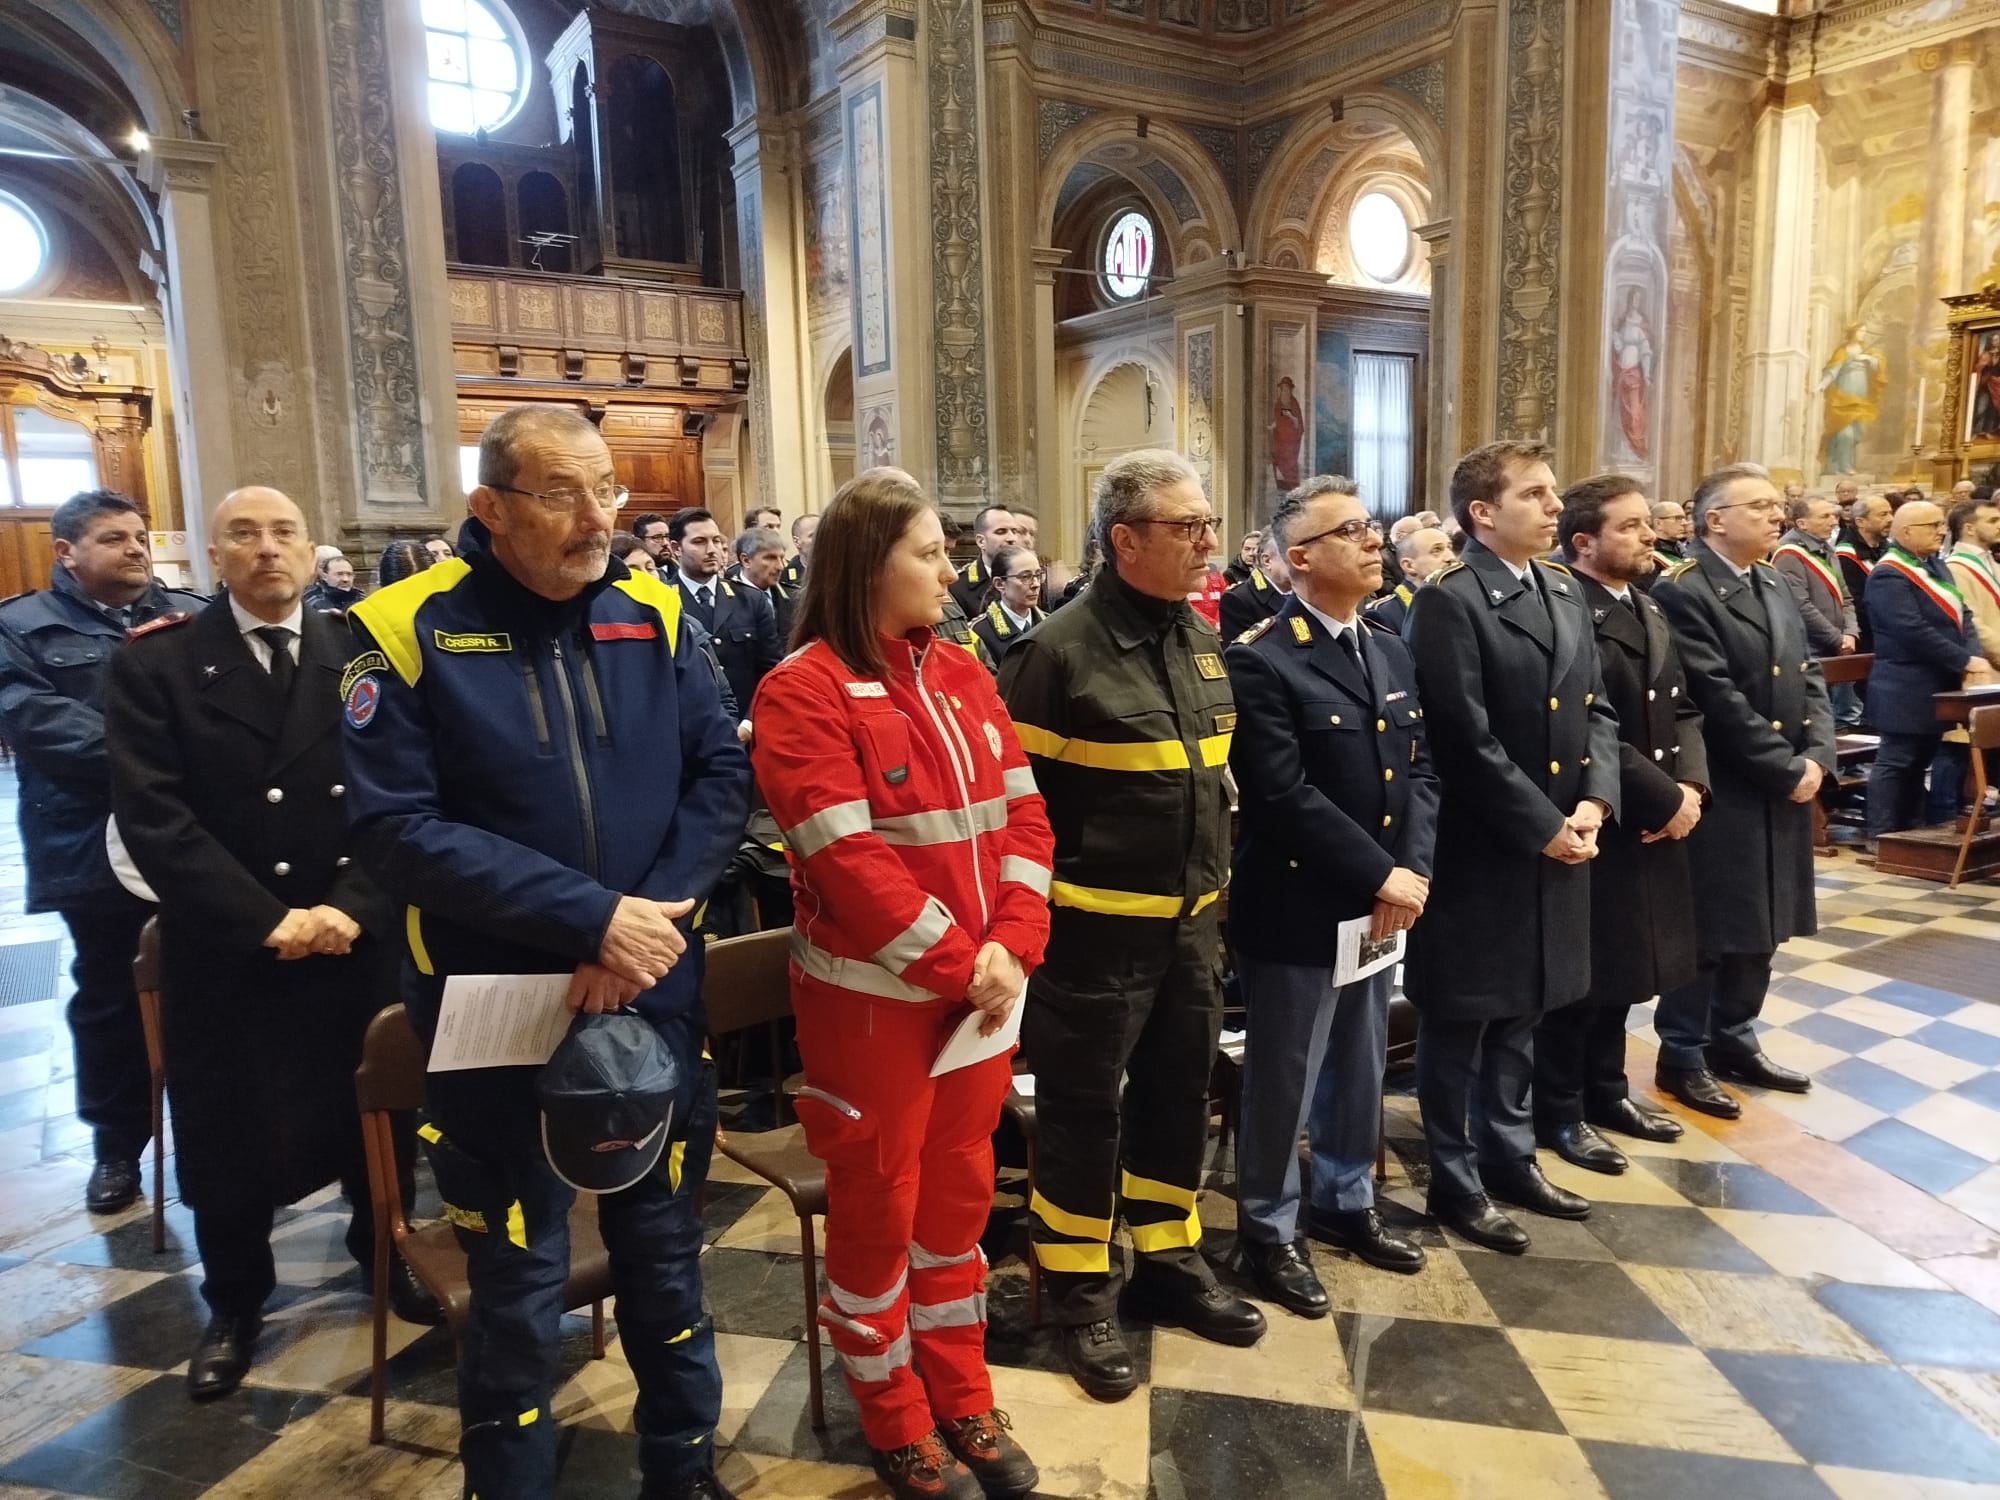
[{"x": 248, "y": 624}]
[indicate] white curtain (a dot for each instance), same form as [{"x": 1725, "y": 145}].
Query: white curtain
[{"x": 1382, "y": 431}]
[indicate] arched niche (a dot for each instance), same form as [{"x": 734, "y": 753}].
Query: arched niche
[
  {"x": 543, "y": 208},
  {"x": 642, "y": 151},
  {"x": 837, "y": 420},
  {"x": 1126, "y": 401},
  {"x": 1106, "y": 194},
  {"x": 1379, "y": 129},
  {"x": 1198, "y": 210},
  {"x": 479, "y": 216}
]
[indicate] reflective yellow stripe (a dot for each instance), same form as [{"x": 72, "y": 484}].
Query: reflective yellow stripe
[
  {"x": 1064, "y": 1222},
  {"x": 674, "y": 1155},
  {"x": 1147, "y": 1190},
  {"x": 662, "y": 599},
  {"x": 391, "y": 614},
  {"x": 682, "y": 1337},
  {"x": 1175, "y": 1234},
  {"x": 1037, "y": 741},
  {"x": 413, "y": 927},
  {"x": 1123, "y": 903},
  {"x": 529, "y": 1417},
  {"x": 1078, "y": 1260},
  {"x": 517, "y": 1227},
  {"x": 1102, "y": 755},
  {"x": 1215, "y": 750},
  {"x": 430, "y": 1132}
]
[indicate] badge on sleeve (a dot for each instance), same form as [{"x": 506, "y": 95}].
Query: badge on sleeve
[
  {"x": 1208, "y": 664},
  {"x": 363, "y": 698}
]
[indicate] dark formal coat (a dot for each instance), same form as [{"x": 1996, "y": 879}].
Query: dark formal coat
[
  {"x": 1813, "y": 571},
  {"x": 999, "y": 634},
  {"x": 745, "y": 626},
  {"x": 1520, "y": 733},
  {"x": 1920, "y": 649},
  {"x": 1857, "y": 560},
  {"x": 1246, "y": 605},
  {"x": 1391, "y": 611},
  {"x": 1764, "y": 715},
  {"x": 1642, "y": 928},
  {"x": 1333, "y": 782},
  {"x": 231, "y": 804}
]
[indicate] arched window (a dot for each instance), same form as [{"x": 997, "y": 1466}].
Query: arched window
[
  {"x": 544, "y": 210},
  {"x": 479, "y": 215},
  {"x": 477, "y": 64},
  {"x": 1127, "y": 263},
  {"x": 1378, "y": 235},
  {"x": 24, "y": 245}
]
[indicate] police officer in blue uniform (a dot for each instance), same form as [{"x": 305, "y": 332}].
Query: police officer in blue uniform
[
  {"x": 743, "y": 622},
  {"x": 55, "y": 654},
  {"x": 1339, "y": 811},
  {"x": 1261, "y": 592},
  {"x": 503, "y": 705}
]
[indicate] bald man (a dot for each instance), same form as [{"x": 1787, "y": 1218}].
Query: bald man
[
  {"x": 1420, "y": 555},
  {"x": 228, "y": 787},
  {"x": 1924, "y": 645}
]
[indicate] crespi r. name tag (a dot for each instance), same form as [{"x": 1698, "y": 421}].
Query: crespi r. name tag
[
  {"x": 474, "y": 640},
  {"x": 866, "y": 690}
]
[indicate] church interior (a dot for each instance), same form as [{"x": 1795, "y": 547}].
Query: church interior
[{"x": 765, "y": 244}]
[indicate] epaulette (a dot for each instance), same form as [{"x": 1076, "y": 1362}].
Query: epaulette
[
  {"x": 1681, "y": 567},
  {"x": 159, "y": 622},
  {"x": 1447, "y": 570},
  {"x": 1763, "y": 563},
  {"x": 24, "y": 594},
  {"x": 1370, "y": 620},
  {"x": 1550, "y": 562},
  {"x": 1257, "y": 630}
]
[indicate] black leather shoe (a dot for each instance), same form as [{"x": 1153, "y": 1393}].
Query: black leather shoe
[
  {"x": 1580, "y": 1146},
  {"x": 1478, "y": 1220},
  {"x": 1697, "y": 1089},
  {"x": 1630, "y": 1117},
  {"x": 113, "y": 1185},
  {"x": 1214, "y": 1313},
  {"x": 1100, "y": 1359},
  {"x": 409, "y": 1298},
  {"x": 1756, "y": 1068},
  {"x": 222, "y": 1358},
  {"x": 1363, "y": 1234},
  {"x": 702, "y": 1486},
  {"x": 1523, "y": 1185},
  {"x": 1284, "y": 1274}
]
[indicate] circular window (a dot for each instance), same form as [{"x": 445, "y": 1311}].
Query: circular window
[
  {"x": 1128, "y": 255},
  {"x": 476, "y": 72},
  {"x": 24, "y": 245},
  {"x": 1379, "y": 236}
]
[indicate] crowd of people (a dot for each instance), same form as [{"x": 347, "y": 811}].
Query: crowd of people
[{"x": 1484, "y": 749}]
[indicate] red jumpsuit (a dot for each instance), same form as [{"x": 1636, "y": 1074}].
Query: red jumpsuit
[{"x": 915, "y": 834}]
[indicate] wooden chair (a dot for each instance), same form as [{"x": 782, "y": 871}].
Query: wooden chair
[
  {"x": 391, "y": 1080},
  {"x": 146, "y": 980},
  {"x": 1853, "y": 752},
  {"x": 748, "y": 983},
  {"x": 1983, "y": 726}
]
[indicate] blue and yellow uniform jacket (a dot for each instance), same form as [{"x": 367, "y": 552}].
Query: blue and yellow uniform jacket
[{"x": 515, "y": 765}]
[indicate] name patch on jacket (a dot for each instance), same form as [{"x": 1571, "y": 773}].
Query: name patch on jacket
[
  {"x": 866, "y": 690},
  {"x": 478, "y": 640},
  {"x": 623, "y": 630}
]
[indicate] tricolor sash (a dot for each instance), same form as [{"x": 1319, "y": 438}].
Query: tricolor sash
[
  {"x": 1828, "y": 576},
  {"x": 1847, "y": 550},
  {"x": 1981, "y": 567},
  {"x": 1943, "y": 595}
]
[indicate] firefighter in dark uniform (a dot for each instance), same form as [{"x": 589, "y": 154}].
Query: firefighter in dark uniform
[
  {"x": 994, "y": 530},
  {"x": 803, "y": 530},
  {"x": 1124, "y": 708},
  {"x": 1260, "y": 595},
  {"x": 1015, "y": 610},
  {"x": 55, "y": 652}
]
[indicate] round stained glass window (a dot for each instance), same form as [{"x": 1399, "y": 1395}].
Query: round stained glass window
[
  {"x": 477, "y": 79},
  {"x": 1379, "y": 236},
  {"x": 1128, "y": 255},
  {"x": 24, "y": 245}
]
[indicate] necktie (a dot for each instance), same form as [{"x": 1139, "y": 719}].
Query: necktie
[
  {"x": 282, "y": 667},
  {"x": 704, "y": 602},
  {"x": 1350, "y": 642}
]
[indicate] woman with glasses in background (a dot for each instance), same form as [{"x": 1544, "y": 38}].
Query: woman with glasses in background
[{"x": 1017, "y": 582}]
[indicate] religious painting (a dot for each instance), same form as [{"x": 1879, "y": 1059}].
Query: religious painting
[
  {"x": 869, "y": 229},
  {"x": 1198, "y": 380},
  {"x": 1850, "y": 386},
  {"x": 1286, "y": 419},
  {"x": 1982, "y": 393},
  {"x": 1634, "y": 355},
  {"x": 1333, "y": 402},
  {"x": 878, "y": 436},
  {"x": 825, "y": 233}
]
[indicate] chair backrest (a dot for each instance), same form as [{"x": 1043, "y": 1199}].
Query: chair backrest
[
  {"x": 1984, "y": 726},
  {"x": 1845, "y": 668},
  {"x": 391, "y": 1075},
  {"x": 747, "y": 981},
  {"x": 146, "y": 964}
]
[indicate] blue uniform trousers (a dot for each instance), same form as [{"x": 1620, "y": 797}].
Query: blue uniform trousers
[{"x": 1473, "y": 1079}]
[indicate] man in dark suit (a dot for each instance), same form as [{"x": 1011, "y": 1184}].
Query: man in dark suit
[
  {"x": 1642, "y": 934},
  {"x": 1262, "y": 592},
  {"x": 993, "y": 530},
  {"x": 1924, "y": 645},
  {"x": 1420, "y": 556},
  {"x": 1339, "y": 810},
  {"x": 227, "y": 784},
  {"x": 1527, "y": 751},
  {"x": 1769, "y": 734},
  {"x": 742, "y": 620},
  {"x": 760, "y": 564}
]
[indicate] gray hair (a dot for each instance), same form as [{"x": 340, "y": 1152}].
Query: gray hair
[
  {"x": 1293, "y": 505},
  {"x": 1708, "y": 494},
  {"x": 1124, "y": 491},
  {"x": 1407, "y": 547},
  {"x": 1270, "y": 544},
  {"x": 499, "y": 464},
  {"x": 759, "y": 539},
  {"x": 1660, "y": 507}
]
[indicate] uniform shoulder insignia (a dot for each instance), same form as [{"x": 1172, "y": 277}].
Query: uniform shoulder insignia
[
  {"x": 1550, "y": 562},
  {"x": 24, "y": 594},
  {"x": 159, "y": 622},
  {"x": 1375, "y": 624},
  {"x": 1765, "y": 564},
  {"x": 1256, "y": 632},
  {"x": 1448, "y": 570},
  {"x": 1681, "y": 567}
]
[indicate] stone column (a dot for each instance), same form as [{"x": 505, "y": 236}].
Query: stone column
[
  {"x": 1781, "y": 425},
  {"x": 1941, "y": 264},
  {"x": 774, "y": 311},
  {"x": 1042, "y": 468},
  {"x": 1433, "y": 469},
  {"x": 1464, "y": 306},
  {"x": 959, "y": 258}
]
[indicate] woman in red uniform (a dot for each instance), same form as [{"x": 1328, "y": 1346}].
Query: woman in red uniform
[{"x": 920, "y": 857}]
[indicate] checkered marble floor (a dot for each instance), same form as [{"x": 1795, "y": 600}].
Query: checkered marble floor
[{"x": 1805, "y": 1302}]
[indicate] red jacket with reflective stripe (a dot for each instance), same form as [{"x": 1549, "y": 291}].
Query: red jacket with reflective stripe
[{"x": 910, "y": 818}]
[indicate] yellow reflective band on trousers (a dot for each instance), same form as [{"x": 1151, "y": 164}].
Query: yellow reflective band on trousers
[
  {"x": 413, "y": 928},
  {"x": 682, "y": 1337},
  {"x": 1062, "y": 1221},
  {"x": 1175, "y": 1234},
  {"x": 529, "y": 1417},
  {"x": 1078, "y": 1260},
  {"x": 1147, "y": 1190},
  {"x": 1125, "y": 903},
  {"x": 517, "y": 1225}
]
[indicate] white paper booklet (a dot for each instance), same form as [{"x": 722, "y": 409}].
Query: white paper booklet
[
  {"x": 966, "y": 1046},
  {"x": 1358, "y": 957},
  {"x": 500, "y": 1021}
]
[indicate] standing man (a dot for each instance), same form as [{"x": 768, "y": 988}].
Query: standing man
[
  {"x": 1670, "y": 534},
  {"x": 760, "y": 564},
  {"x": 1527, "y": 750},
  {"x": 503, "y": 704},
  {"x": 743, "y": 622},
  {"x": 1262, "y": 592},
  {"x": 1642, "y": 932},
  {"x": 332, "y": 589},
  {"x": 760, "y": 518},
  {"x": 1249, "y": 552},
  {"x": 1123, "y": 706},
  {"x": 1975, "y": 532},
  {"x": 794, "y": 576},
  {"x": 1925, "y": 644},
  {"x": 1859, "y": 550},
  {"x": 1015, "y": 610},
  {"x": 55, "y": 657},
  {"x": 1420, "y": 556},
  {"x": 229, "y": 788},
  {"x": 1339, "y": 810},
  {"x": 1805, "y": 560},
  {"x": 993, "y": 529},
  {"x": 1769, "y": 736}
]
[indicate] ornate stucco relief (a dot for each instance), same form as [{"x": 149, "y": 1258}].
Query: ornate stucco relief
[
  {"x": 1056, "y": 118},
  {"x": 957, "y": 264},
  {"x": 1425, "y": 83},
  {"x": 1175, "y": 191},
  {"x": 1531, "y": 231},
  {"x": 1198, "y": 380},
  {"x": 1263, "y": 141},
  {"x": 1219, "y": 141}
]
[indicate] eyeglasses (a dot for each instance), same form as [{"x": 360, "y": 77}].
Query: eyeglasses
[
  {"x": 284, "y": 533},
  {"x": 1194, "y": 528},
  {"x": 606, "y": 496},
  {"x": 1347, "y": 531},
  {"x": 1755, "y": 507},
  {"x": 1035, "y": 577}
]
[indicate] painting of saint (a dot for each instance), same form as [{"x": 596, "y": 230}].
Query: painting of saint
[
  {"x": 1632, "y": 372},
  {"x": 1852, "y": 386},
  {"x": 1984, "y": 407},
  {"x": 1288, "y": 432},
  {"x": 881, "y": 442}
]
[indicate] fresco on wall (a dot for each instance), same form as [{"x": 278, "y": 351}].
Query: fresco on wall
[
  {"x": 1851, "y": 396},
  {"x": 870, "y": 232},
  {"x": 826, "y": 234},
  {"x": 878, "y": 437},
  {"x": 1333, "y": 403},
  {"x": 1285, "y": 419},
  {"x": 1198, "y": 380}
]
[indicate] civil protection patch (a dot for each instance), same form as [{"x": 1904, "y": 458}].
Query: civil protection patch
[
  {"x": 366, "y": 662},
  {"x": 362, "y": 699}
]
